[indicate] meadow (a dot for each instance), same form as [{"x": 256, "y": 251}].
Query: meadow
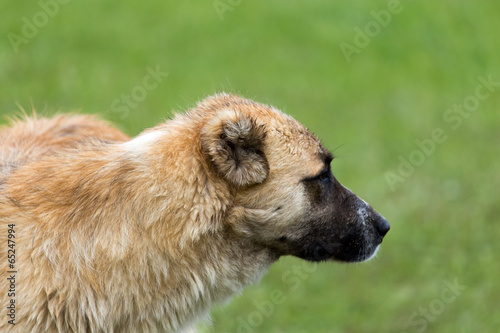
[{"x": 405, "y": 93}]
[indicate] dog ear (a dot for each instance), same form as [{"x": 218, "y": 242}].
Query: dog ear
[{"x": 235, "y": 144}]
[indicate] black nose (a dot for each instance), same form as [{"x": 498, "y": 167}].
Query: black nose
[{"x": 381, "y": 225}]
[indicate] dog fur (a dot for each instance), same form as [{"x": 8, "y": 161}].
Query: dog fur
[{"x": 145, "y": 234}]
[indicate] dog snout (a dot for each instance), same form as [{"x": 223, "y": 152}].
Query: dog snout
[{"x": 381, "y": 224}]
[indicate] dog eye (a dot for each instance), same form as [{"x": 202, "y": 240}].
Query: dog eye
[{"x": 324, "y": 177}]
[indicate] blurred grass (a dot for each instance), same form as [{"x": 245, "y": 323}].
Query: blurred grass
[{"x": 444, "y": 217}]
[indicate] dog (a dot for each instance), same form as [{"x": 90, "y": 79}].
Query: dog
[{"x": 113, "y": 234}]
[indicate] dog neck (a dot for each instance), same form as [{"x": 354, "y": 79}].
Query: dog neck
[{"x": 203, "y": 259}]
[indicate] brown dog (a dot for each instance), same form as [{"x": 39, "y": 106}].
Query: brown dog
[{"x": 144, "y": 235}]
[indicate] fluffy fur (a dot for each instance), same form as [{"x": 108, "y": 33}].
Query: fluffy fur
[{"x": 144, "y": 235}]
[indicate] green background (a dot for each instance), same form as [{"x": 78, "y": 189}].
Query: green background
[{"x": 369, "y": 108}]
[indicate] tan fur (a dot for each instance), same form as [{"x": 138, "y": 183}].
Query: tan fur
[{"x": 145, "y": 235}]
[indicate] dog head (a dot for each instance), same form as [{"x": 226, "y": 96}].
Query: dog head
[{"x": 286, "y": 197}]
